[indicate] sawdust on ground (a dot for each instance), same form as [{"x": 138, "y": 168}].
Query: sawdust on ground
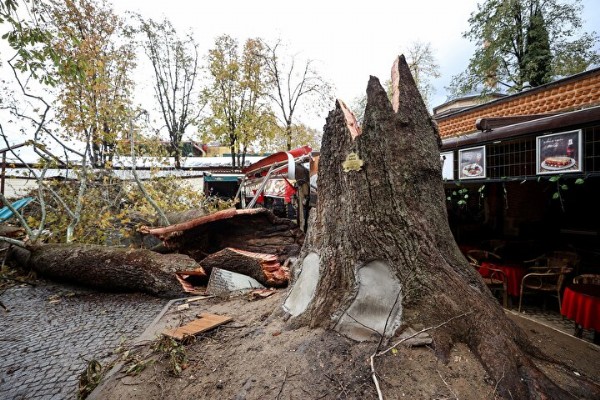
[{"x": 256, "y": 357}]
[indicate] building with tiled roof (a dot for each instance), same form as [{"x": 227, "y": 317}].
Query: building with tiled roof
[
  {"x": 569, "y": 94},
  {"x": 529, "y": 165}
]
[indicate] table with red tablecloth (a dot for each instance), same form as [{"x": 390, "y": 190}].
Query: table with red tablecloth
[
  {"x": 514, "y": 275},
  {"x": 581, "y": 303}
]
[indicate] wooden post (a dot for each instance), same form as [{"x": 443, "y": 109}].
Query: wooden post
[{"x": 3, "y": 174}]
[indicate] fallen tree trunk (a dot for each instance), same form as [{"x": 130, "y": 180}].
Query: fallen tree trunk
[
  {"x": 256, "y": 230},
  {"x": 263, "y": 267},
  {"x": 11, "y": 231},
  {"x": 107, "y": 268}
]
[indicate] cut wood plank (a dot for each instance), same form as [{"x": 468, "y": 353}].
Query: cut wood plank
[
  {"x": 205, "y": 322},
  {"x": 197, "y": 298}
]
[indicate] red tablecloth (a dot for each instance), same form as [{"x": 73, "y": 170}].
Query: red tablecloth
[
  {"x": 581, "y": 303},
  {"x": 514, "y": 275}
]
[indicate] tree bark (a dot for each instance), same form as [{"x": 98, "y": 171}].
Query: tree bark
[
  {"x": 107, "y": 268},
  {"x": 379, "y": 255}
]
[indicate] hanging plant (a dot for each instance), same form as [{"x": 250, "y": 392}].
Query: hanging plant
[
  {"x": 561, "y": 187},
  {"x": 481, "y": 193},
  {"x": 459, "y": 197}
]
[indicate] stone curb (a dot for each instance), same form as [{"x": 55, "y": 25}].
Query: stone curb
[{"x": 537, "y": 321}]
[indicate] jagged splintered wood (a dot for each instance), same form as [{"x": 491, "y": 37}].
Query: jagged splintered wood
[{"x": 379, "y": 255}]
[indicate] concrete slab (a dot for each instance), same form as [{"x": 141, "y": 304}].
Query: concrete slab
[
  {"x": 305, "y": 286},
  {"x": 227, "y": 283},
  {"x": 377, "y": 306}
]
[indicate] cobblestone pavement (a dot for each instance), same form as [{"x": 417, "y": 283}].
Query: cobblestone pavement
[{"x": 51, "y": 331}]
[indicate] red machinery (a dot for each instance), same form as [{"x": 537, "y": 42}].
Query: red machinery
[{"x": 280, "y": 175}]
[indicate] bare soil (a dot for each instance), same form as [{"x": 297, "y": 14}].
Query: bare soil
[{"x": 256, "y": 357}]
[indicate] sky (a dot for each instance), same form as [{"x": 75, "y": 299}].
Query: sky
[{"x": 349, "y": 40}]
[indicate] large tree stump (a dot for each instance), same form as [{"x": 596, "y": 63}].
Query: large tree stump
[
  {"x": 379, "y": 254},
  {"x": 108, "y": 268}
]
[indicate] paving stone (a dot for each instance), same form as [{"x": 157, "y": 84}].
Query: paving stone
[{"x": 50, "y": 342}]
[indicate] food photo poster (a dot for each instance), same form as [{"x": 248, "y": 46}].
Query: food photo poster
[
  {"x": 471, "y": 163},
  {"x": 559, "y": 153}
]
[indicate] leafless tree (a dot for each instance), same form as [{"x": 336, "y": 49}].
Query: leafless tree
[
  {"x": 175, "y": 64},
  {"x": 294, "y": 84}
]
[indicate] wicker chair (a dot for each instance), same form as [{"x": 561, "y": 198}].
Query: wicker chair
[
  {"x": 546, "y": 280},
  {"x": 494, "y": 278},
  {"x": 587, "y": 279}
]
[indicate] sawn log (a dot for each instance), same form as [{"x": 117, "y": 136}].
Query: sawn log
[{"x": 263, "y": 267}]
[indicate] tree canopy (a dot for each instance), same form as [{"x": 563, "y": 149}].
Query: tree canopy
[
  {"x": 83, "y": 57},
  {"x": 175, "y": 65},
  {"x": 525, "y": 41},
  {"x": 294, "y": 85},
  {"x": 236, "y": 94},
  {"x": 93, "y": 75},
  {"x": 423, "y": 66}
]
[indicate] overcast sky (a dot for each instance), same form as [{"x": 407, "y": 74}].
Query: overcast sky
[{"x": 350, "y": 40}]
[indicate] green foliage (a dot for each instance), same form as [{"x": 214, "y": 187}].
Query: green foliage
[
  {"x": 241, "y": 114},
  {"x": 458, "y": 197},
  {"x": 93, "y": 74},
  {"x": 114, "y": 209},
  {"x": 174, "y": 351},
  {"x": 561, "y": 187},
  {"x": 537, "y": 59},
  {"x": 301, "y": 135},
  {"x": 510, "y": 38},
  {"x": 29, "y": 37}
]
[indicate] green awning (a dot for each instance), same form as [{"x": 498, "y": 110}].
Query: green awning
[{"x": 221, "y": 178}]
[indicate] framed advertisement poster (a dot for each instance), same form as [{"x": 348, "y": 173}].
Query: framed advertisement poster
[
  {"x": 559, "y": 153},
  {"x": 471, "y": 163},
  {"x": 447, "y": 160}
]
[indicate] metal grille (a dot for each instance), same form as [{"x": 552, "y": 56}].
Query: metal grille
[
  {"x": 516, "y": 158},
  {"x": 513, "y": 158},
  {"x": 592, "y": 149}
]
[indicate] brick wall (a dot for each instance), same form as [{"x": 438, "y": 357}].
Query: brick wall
[{"x": 580, "y": 91}]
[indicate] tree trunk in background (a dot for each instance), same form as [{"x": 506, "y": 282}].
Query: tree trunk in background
[
  {"x": 288, "y": 135},
  {"x": 379, "y": 254},
  {"x": 108, "y": 268}
]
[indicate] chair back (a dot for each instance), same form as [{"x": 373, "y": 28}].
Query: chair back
[
  {"x": 562, "y": 274},
  {"x": 561, "y": 257},
  {"x": 476, "y": 257}
]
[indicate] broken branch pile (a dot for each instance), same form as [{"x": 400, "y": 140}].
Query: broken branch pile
[{"x": 255, "y": 230}]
